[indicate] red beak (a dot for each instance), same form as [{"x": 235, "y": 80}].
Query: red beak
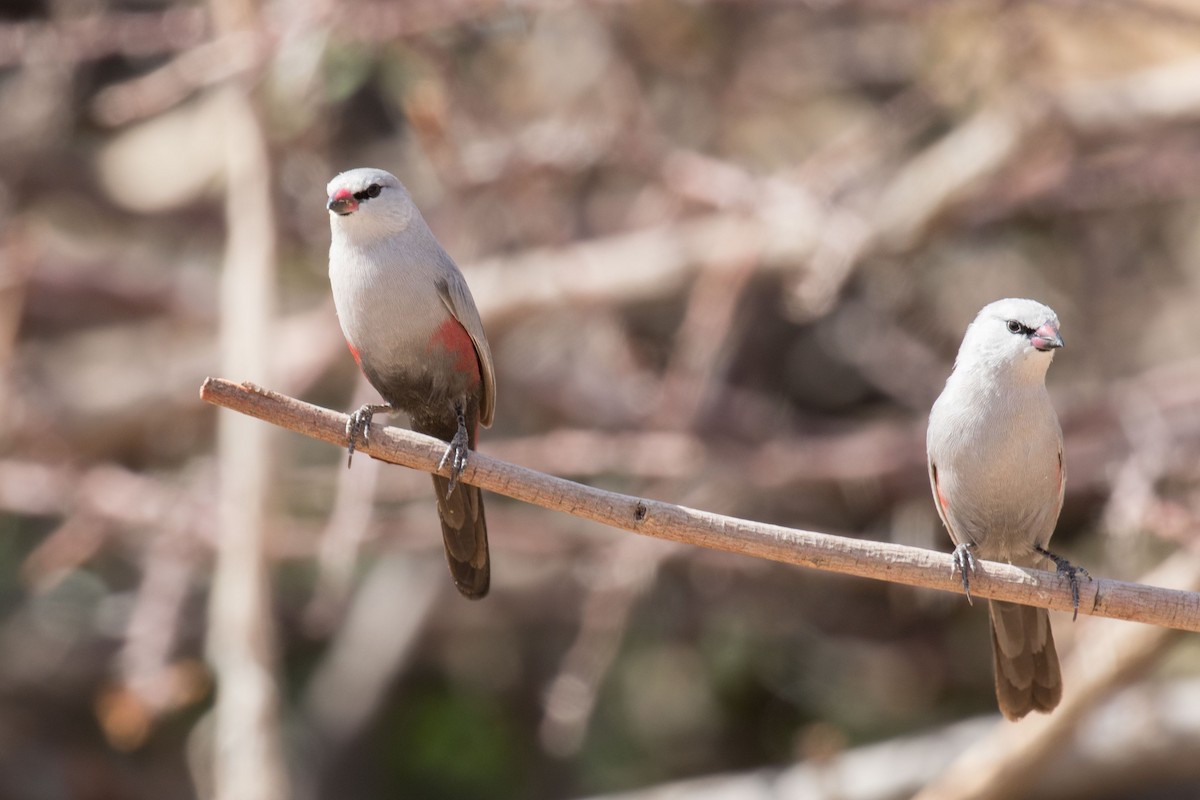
[{"x": 342, "y": 203}]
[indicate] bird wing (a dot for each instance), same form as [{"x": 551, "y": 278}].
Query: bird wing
[
  {"x": 457, "y": 298},
  {"x": 940, "y": 500},
  {"x": 1062, "y": 477}
]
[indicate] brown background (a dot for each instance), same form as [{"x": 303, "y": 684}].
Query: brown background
[{"x": 724, "y": 252}]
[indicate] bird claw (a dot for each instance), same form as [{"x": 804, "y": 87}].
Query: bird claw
[
  {"x": 964, "y": 564},
  {"x": 358, "y": 426},
  {"x": 1064, "y": 567},
  {"x": 456, "y": 455}
]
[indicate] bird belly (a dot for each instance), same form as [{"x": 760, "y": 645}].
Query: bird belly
[
  {"x": 1007, "y": 511},
  {"x": 420, "y": 380}
]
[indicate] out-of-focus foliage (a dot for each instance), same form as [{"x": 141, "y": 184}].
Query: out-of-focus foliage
[{"x": 724, "y": 252}]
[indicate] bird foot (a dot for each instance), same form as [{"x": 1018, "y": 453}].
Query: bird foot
[
  {"x": 964, "y": 564},
  {"x": 359, "y": 426},
  {"x": 1064, "y": 567},
  {"x": 456, "y": 454}
]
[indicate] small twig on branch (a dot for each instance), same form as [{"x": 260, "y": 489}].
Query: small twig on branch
[{"x": 868, "y": 559}]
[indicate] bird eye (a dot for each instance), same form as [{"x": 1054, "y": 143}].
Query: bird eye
[
  {"x": 371, "y": 191},
  {"x": 1015, "y": 327}
]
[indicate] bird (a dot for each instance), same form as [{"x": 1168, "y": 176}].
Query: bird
[
  {"x": 996, "y": 469},
  {"x": 413, "y": 329}
]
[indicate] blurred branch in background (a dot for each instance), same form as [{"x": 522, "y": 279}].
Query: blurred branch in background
[
  {"x": 342, "y": 540},
  {"x": 349, "y": 685},
  {"x": 1012, "y": 760},
  {"x": 620, "y": 578},
  {"x": 247, "y": 747},
  {"x": 1137, "y": 738}
]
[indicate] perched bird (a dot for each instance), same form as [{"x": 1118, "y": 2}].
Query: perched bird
[
  {"x": 996, "y": 467},
  {"x": 413, "y": 328}
]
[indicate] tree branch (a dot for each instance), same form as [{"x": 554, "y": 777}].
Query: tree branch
[{"x": 867, "y": 559}]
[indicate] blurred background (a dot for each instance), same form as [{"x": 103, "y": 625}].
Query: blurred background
[{"x": 724, "y": 252}]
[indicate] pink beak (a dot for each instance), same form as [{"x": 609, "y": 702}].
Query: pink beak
[
  {"x": 1047, "y": 338},
  {"x": 342, "y": 203}
]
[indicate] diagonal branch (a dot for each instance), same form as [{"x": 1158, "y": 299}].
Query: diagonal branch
[{"x": 867, "y": 559}]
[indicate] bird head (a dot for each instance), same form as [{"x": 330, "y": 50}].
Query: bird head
[
  {"x": 370, "y": 202},
  {"x": 1012, "y": 335}
]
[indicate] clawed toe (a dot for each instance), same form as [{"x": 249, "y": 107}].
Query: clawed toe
[
  {"x": 456, "y": 456},
  {"x": 1064, "y": 567},
  {"x": 358, "y": 426},
  {"x": 964, "y": 564},
  {"x": 456, "y": 453}
]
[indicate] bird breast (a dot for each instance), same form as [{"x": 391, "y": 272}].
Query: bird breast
[{"x": 998, "y": 462}]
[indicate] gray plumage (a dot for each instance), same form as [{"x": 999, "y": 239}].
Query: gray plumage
[
  {"x": 996, "y": 469},
  {"x": 413, "y": 327}
]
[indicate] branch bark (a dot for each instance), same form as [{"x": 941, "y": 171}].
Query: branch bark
[{"x": 913, "y": 566}]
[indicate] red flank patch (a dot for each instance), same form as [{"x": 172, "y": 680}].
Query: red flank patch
[{"x": 452, "y": 337}]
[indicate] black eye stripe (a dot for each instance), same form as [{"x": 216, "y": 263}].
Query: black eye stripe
[
  {"x": 366, "y": 194},
  {"x": 1016, "y": 327}
]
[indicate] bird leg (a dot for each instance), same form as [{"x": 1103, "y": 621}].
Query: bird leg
[
  {"x": 456, "y": 451},
  {"x": 964, "y": 564},
  {"x": 1064, "y": 567},
  {"x": 359, "y": 425}
]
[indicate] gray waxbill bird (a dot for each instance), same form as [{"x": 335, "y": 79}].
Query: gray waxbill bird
[
  {"x": 413, "y": 328},
  {"x": 996, "y": 469}
]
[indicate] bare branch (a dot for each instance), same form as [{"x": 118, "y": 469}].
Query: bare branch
[{"x": 867, "y": 559}]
